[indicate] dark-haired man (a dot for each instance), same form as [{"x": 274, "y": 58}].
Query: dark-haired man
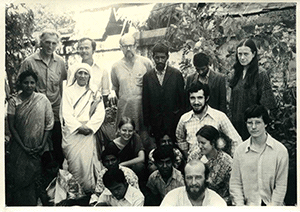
[
  {"x": 120, "y": 193},
  {"x": 200, "y": 115},
  {"x": 163, "y": 94},
  {"x": 260, "y": 164},
  {"x": 166, "y": 178},
  {"x": 195, "y": 191}
]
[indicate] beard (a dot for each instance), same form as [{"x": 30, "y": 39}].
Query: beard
[
  {"x": 195, "y": 191},
  {"x": 160, "y": 66},
  {"x": 129, "y": 54},
  {"x": 199, "y": 110}
]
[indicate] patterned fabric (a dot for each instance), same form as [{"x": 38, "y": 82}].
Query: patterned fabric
[
  {"x": 158, "y": 186},
  {"x": 259, "y": 176},
  {"x": 130, "y": 177},
  {"x": 127, "y": 81},
  {"x": 189, "y": 124},
  {"x": 179, "y": 197},
  {"x": 133, "y": 197},
  {"x": 177, "y": 154},
  {"x": 260, "y": 93},
  {"x": 50, "y": 77}
]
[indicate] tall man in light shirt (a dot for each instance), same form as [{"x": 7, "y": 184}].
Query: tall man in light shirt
[
  {"x": 200, "y": 115},
  {"x": 100, "y": 80},
  {"x": 260, "y": 164}
]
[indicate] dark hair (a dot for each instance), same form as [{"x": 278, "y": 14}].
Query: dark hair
[
  {"x": 160, "y": 47},
  {"x": 113, "y": 176},
  {"x": 253, "y": 65},
  {"x": 210, "y": 133},
  {"x": 197, "y": 86},
  {"x": 163, "y": 152},
  {"x": 90, "y": 39},
  {"x": 126, "y": 120},
  {"x": 28, "y": 72},
  {"x": 201, "y": 59},
  {"x": 256, "y": 111},
  {"x": 110, "y": 150}
]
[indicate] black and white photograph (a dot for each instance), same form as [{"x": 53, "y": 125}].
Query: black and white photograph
[{"x": 150, "y": 104}]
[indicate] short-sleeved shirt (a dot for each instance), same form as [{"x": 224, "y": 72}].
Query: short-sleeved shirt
[
  {"x": 50, "y": 77},
  {"x": 158, "y": 186},
  {"x": 178, "y": 157},
  {"x": 179, "y": 197},
  {"x": 100, "y": 79}
]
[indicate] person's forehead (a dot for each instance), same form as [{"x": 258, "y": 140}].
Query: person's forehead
[
  {"x": 85, "y": 43},
  {"x": 194, "y": 170},
  {"x": 128, "y": 40},
  {"x": 255, "y": 119},
  {"x": 110, "y": 157},
  {"x": 160, "y": 54},
  {"x": 244, "y": 49},
  {"x": 198, "y": 93},
  {"x": 165, "y": 159},
  {"x": 49, "y": 37}
]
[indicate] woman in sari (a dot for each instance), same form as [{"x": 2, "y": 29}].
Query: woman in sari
[
  {"x": 30, "y": 119},
  {"x": 81, "y": 116}
]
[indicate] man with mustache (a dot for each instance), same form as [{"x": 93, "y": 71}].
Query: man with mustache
[
  {"x": 195, "y": 191},
  {"x": 127, "y": 82},
  {"x": 215, "y": 80},
  {"x": 200, "y": 115},
  {"x": 163, "y": 94}
]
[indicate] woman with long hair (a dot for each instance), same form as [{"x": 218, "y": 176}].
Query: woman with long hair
[
  {"x": 82, "y": 114},
  {"x": 249, "y": 85},
  {"x": 30, "y": 120}
]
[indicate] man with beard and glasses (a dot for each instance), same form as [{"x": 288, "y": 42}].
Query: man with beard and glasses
[
  {"x": 127, "y": 82},
  {"x": 195, "y": 191},
  {"x": 215, "y": 81},
  {"x": 163, "y": 95},
  {"x": 200, "y": 115}
]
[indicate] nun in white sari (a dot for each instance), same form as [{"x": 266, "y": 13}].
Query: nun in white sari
[{"x": 82, "y": 114}]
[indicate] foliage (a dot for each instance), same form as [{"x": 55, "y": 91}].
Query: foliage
[{"x": 18, "y": 45}]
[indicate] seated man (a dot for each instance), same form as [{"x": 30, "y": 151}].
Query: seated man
[
  {"x": 260, "y": 164},
  {"x": 195, "y": 191},
  {"x": 111, "y": 161},
  {"x": 120, "y": 193},
  {"x": 166, "y": 178}
]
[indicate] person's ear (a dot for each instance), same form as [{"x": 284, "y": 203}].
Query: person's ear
[{"x": 206, "y": 100}]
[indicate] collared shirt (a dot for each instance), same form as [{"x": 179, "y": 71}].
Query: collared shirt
[
  {"x": 158, "y": 186},
  {"x": 50, "y": 77},
  {"x": 178, "y": 158},
  {"x": 133, "y": 197},
  {"x": 179, "y": 197},
  {"x": 161, "y": 74},
  {"x": 259, "y": 176},
  {"x": 130, "y": 177},
  {"x": 100, "y": 79},
  {"x": 189, "y": 124}
]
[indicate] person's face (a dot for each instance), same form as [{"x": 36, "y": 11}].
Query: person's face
[
  {"x": 160, "y": 60},
  {"x": 256, "y": 127},
  {"x": 126, "y": 131},
  {"x": 204, "y": 145},
  {"x": 198, "y": 102},
  {"x": 164, "y": 167},
  {"x": 110, "y": 162},
  {"x": 28, "y": 85},
  {"x": 82, "y": 77},
  {"x": 49, "y": 44},
  {"x": 245, "y": 55},
  {"x": 85, "y": 50},
  {"x": 166, "y": 140},
  {"x": 118, "y": 190},
  {"x": 194, "y": 180},
  {"x": 202, "y": 71},
  {"x": 128, "y": 47}
]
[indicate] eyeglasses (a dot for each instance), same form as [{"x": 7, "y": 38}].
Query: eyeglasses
[{"x": 127, "y": 46}]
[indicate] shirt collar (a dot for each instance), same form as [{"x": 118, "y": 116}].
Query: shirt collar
[
  {"x": 269, "y": 142},
  {"x": 206, "y": 77},
  {"x": 38, "y": 56},
  {"x": 209, "y": 112},
  {"x": 129, "y": 195},
  {"x": 162, "y": 72}
]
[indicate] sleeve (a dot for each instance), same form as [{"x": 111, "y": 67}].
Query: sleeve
[
  {"x": 223, "y": 94},
  {"x": 49, "y": 116},
  {"x": 281, "y": 179},
  {"x": 105, "y": 83},
  {"x": 11, "y": 107},
  {"x": 267, "y": 98},
  {"x": 235, "y": 183},
  {"x": 114, "y": 79},
  {"x": 146, "y": 101},
  {"x": 131, "y": 178},
  {"x": 181, "y": 92},
  {"x": 68, "y": 117},
  {"x": 97, "y": 118},
  {"x": 230, "y": 131},
  {"x": 151, "y": 184},
  {"x": 181, "y": 136},
  {"x": 139, "y": 201},
  {"x": 103, "y": 198},
  {"x": 64, "y": 74}
]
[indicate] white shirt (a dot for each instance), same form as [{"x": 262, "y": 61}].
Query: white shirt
[{"x": 179, "y": 197}]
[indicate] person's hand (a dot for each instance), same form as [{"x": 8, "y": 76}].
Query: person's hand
[
  {"x": 84, "y": 130},
  {"x": 112, "y": 98}
]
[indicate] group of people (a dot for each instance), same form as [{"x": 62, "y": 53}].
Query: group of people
[{"x": 174, "y": 143}]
